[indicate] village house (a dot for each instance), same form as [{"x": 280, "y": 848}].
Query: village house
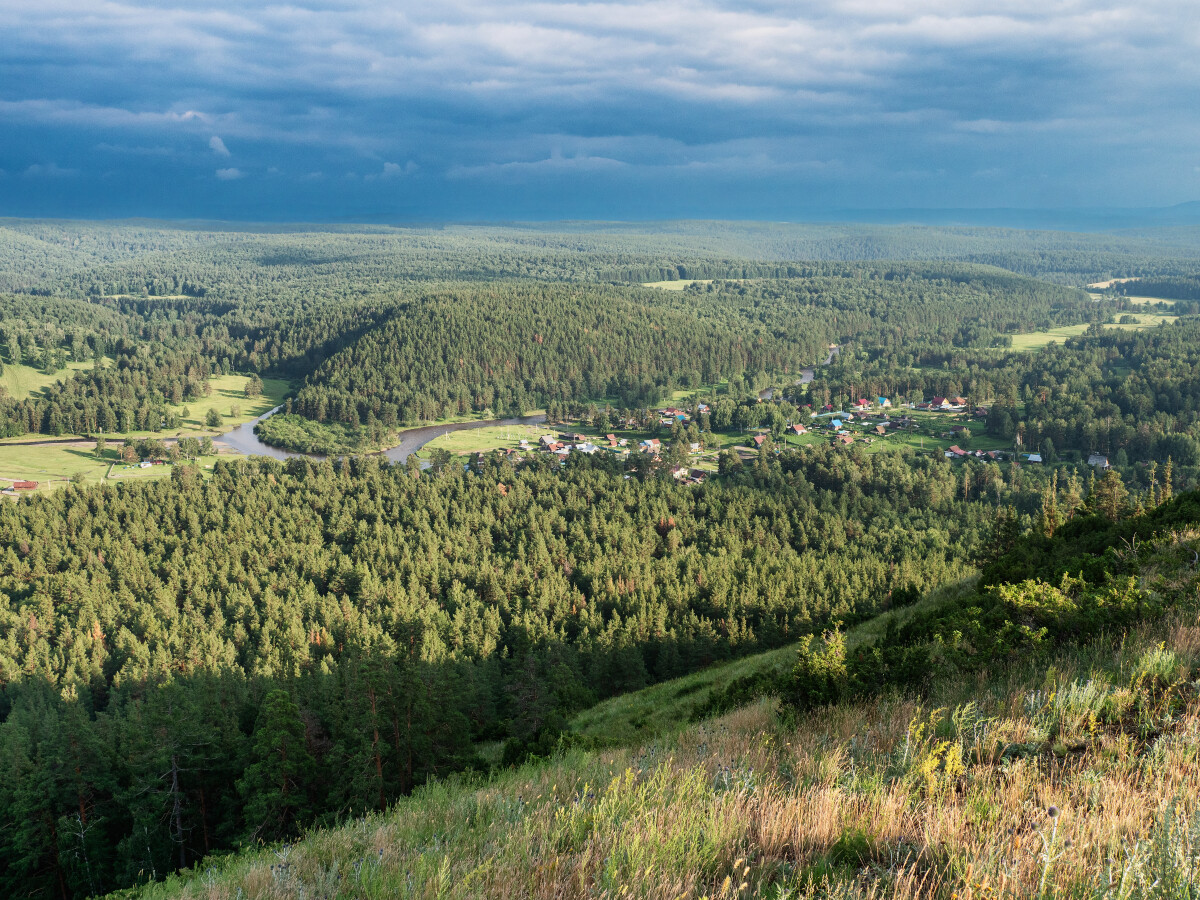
[
  {"x": 956, "y": 451},
  {"x": 1099, "y": 461},
  {"x": 799, "y": 429},
  {"x": 884, "y": 403},
  {"x": 759, "y": 440},
  {"x": 25, "y": 485},
  {"x": 846, "y": 438},
  {"x": 881, "y": 429}
]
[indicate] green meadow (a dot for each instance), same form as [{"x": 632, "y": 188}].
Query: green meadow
[
  {"x": 21, "y": 381},
  {"x": 53, "y": 465}
]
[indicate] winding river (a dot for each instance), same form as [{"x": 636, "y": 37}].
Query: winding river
[
  {"x": 243, "y": 439},
  {"x": 806, "y": 375}
]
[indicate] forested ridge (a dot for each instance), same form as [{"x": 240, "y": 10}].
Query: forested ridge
[
  {"x": 146, "y": 629},
  {"x": 508, "y": 347}
]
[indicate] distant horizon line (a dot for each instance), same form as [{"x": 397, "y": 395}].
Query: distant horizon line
[{"x": 1035, "y": 218}]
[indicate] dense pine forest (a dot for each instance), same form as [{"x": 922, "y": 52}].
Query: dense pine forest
[
  {"x": 155, "y": 637},
  {"x": 244, "y": 649}
]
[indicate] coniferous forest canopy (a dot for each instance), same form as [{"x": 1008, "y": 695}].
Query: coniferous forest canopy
[{"x": 235, "y": 653}]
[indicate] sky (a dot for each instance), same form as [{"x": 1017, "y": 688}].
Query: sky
[{"x": 349, "y": 110}]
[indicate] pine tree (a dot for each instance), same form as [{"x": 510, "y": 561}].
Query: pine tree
[
  {"x": 276, "y": 784},
  {"x": 1050, "y": 518},
  {"x": 1111, "y": 496}
]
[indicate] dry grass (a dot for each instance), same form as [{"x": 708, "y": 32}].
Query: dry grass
[{"x": 889, "y": 798}]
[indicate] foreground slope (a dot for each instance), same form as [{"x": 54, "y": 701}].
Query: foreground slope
[{"x": 1054, "y": 768}]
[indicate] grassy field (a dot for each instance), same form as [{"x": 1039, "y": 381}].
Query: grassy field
[
  {"x": 50, "y": 463},
  {"x": 228, "y": 391},
  {"x": 1146, "y": 320},
  {"x": 24, "y": 381},
  {"x": 1036, "y": 340},
  {"x": 678, "y": 285},
  {"x": 53, "y": 465},
  {"x": 496, "y": 437}
]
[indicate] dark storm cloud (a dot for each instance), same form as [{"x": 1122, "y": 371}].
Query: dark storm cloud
[{"x": 508, "y": 109}]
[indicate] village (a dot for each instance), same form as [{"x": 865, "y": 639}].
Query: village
[
  {"x": 678, "y": 439},
  {"x": 682, "y": 441}
]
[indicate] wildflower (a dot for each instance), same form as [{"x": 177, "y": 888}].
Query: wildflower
[{"x": 1052, "y": 812}]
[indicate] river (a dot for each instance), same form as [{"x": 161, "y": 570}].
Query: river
[
  {"x": 242, "y": 439},
  {"x": 806, "y": 376}
]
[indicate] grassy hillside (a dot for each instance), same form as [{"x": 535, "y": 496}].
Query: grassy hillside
[
  {"x": 21, "y": 381},
  {"x": 1058, "y": 770}
]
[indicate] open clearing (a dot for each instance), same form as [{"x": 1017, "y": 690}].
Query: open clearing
[
  {"x": 52, "y": 465},
  {"x": 677, "y": 285},
  {"x": 229, "y": 391},
  {"x": 494, "y": 437},
  {"x": 1101, "y": 285},
  {"x": 23, "y": 381},
  {"x": 1146, "y": 320},
  {"x": 1036, "y": 340}
]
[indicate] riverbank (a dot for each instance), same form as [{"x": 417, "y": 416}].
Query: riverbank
[{"x": 245, "y": 439}]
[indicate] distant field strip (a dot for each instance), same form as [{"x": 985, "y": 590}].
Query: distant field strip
[
  {"x": 677, "y": 285},
  {"x": 1147, "y": 300},
  {"x": 1036, "y": 340}
]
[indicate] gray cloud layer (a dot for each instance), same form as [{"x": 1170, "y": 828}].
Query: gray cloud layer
[{"x": 677, "y": 107}]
